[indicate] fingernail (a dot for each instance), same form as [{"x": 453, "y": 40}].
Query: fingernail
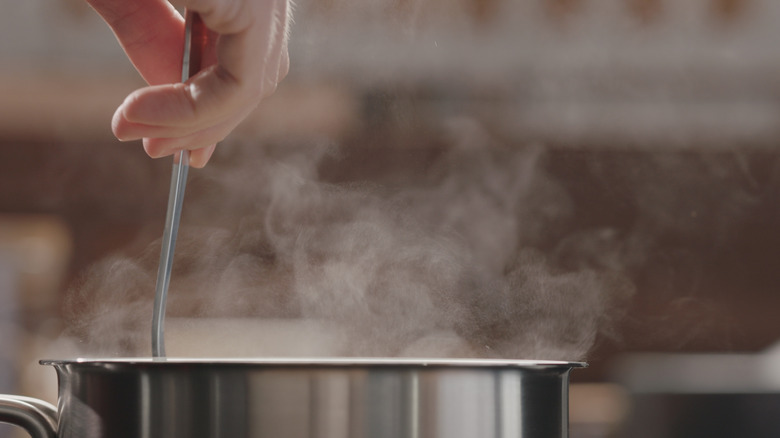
[
  {"x": 116, "y": 124},
  {"x": 121, "y": 127},
  {"x": 200, "y": 157},
  {"x": 154, "y": 150}
]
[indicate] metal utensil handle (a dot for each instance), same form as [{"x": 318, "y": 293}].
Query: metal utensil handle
[
  {"x": 195, "y": 39},
  {"x": 37, "y": 417},
  {"x": 172, "y": 216}
]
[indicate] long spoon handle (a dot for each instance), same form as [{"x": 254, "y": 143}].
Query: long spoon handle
[{"x": 194, "y": 41}]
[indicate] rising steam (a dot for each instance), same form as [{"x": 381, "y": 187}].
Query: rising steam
[{"x": 440, "y": 264}]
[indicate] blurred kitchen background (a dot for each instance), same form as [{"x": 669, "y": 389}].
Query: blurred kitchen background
[{"x": 658, "y": 120}]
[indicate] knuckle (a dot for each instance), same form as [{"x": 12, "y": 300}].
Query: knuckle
[
  {"x": 153, "y": 149},
  {"x": 229, "y": 16},
  {"x": 189, "y": 97}
]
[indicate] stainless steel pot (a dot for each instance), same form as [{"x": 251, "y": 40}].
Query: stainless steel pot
[{"x": 299, "y": 398}]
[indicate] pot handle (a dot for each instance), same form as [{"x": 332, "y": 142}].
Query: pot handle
[{"x": 37, "y": 417}]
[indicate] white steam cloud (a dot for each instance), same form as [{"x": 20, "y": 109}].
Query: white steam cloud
[{"x": 444, "y": 263}]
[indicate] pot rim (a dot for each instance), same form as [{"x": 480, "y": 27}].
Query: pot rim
[{"x": 318, "y": 361}]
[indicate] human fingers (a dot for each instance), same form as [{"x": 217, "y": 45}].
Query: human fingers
[
  {"x": 151, "y": 32},
  {"x": 251, "y": 58},
  {"x": 234, "y": 16},
  {"x": 204, "y": 99},
  {"x": 284, "y": 65},
  {"x": 278, "y": 64},
  {"x": 169, "y": 118},
  {"x": 247, "y": 70},
  {"x": 198, "y": 157},
  {"x": 158, "y": 147}
]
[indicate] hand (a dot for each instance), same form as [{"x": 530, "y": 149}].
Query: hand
[{"x": 245, "y": 63}]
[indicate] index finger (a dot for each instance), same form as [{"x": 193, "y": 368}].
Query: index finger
[
  {"x": 248, "y": 29},
  {"x": 151, "y": 32},
  {"x": 238, "y": 79}
]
